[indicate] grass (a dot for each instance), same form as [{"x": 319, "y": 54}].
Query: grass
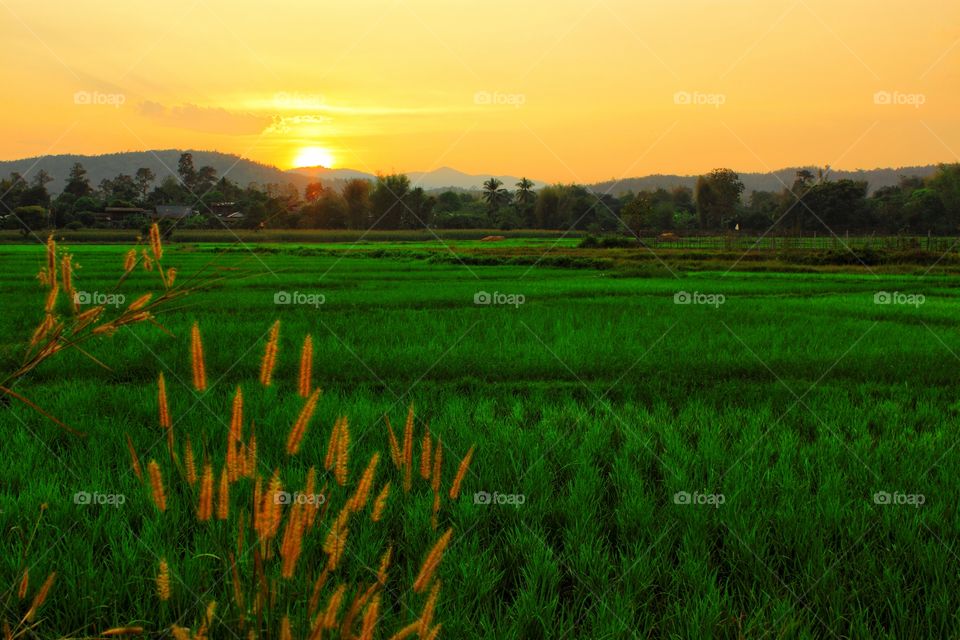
[
  {"x": 226, "y": 235},
  {"x": 592, "y": 404}
]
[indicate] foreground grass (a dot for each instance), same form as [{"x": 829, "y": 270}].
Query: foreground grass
[{"x": 597, "y": 400}]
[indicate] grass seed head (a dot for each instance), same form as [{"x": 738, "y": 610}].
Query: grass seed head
[
  {"x": 461, "y": 473},
  {"x": 380, "y": 503},
  {"x": 156, "y": 485},
  {"x": 196, "y": 359},
  {"x": 134, "y": 460},
  {"x": 426, "y": 617},
  {"x": 370, "y": 618},
  {"x": 431, "y": 562},
  {"x": 156, "y": 245},
  {"x": 24, "y": 585},
  {"x": 362, "y": 493},
  {"x": 205, "y": 504},
  {"x": 235, "y": 435},
  {"x": 41, "y": 597},
  {"x": 437, "y": 466},
  {"x": 425, "y": 453},
  {"x": 163, "y": 408},
  {"x": 51, "y": 258},
  {"x": 299, "y": 428},
  {"x": 250, "y": 464},
  {"x": 408, "y": 450},
  {"x": 123, "y": 631},
  {"x": 395, "y": 454},
  {"x": 163, "y": 581},
  {"x": 331, "y": 457},
  {"x": 223, "y": 498},
  {"x": 189, "y": 461},
  {"x": 269, "y": 360},
  {"x": 333, "y": 607},
  {"x": 292, "y": 541},
  {"x": 341, "y": 468},
  {"x": 306, "y": 368}
]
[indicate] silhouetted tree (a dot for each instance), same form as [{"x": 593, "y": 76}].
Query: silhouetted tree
[
  {"x": 717, "y": 195},
  {"x": 356, "y": 196}
]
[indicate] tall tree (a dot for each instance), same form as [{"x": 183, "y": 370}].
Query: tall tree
[
  {"x": 206, "y": 179},
  {"x": 356, "y": 196},
  {"x": 42, "y": 179},
  {"x": 525, "y": 198},
  {"x": 418, "y": 211},
  {"x": 547, "y": 209},
  {"x": 313, "y": 191},
  {"x": 388, "y": 200},
  {"x": 144, "y": 178},
  {"x": 187, "y": 172},
  {"x": 717, "y": 195},
  {"x": 77, "y": 182},
  {"x": 494, "y": 194}
]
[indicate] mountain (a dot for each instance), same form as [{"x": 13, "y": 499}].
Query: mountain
[
  {"x": 775, "y": 181},
  {"x": 163, "y": 163},
  {"x": 442, "y": 178},
  {"x": 324, "y": 174},
  {"x": 243, "y": 172},
  {"x": 448, "y": 177}
]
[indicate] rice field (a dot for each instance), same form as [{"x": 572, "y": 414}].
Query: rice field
[{"x": 683, "y": 454}]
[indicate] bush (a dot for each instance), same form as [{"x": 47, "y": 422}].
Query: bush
[{"x": 607, "y": 242}]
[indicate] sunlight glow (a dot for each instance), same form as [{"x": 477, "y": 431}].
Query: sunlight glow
[{"x": 314, "y": 157}]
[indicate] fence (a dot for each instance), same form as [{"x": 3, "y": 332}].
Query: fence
[{"x": 743, "y": 242}]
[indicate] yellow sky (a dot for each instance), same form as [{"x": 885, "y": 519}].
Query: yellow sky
[{"x": 558, "y": 91}]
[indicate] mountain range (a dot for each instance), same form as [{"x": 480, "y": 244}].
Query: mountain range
[{"x": 244, "y": 171}]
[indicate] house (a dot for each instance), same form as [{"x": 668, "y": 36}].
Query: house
[
  {"x": 172, "y": 211},
  {"x": 116, "y": 214},
  {"x": 232, "y": 218},
  {"x": 222, "y": 209}
]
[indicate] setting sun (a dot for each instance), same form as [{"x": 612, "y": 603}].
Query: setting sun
[{"x": 314, "y": 157}]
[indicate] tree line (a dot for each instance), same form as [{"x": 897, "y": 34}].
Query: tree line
[{"x": 813, "y": 203}]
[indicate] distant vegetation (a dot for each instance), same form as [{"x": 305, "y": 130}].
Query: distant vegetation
[{"x": 815, "y": 203}]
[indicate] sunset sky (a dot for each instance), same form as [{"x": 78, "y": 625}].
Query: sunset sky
[{"x": 558, "y": 91}]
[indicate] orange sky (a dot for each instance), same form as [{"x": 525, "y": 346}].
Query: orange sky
[{"x": 558, "y": 91}]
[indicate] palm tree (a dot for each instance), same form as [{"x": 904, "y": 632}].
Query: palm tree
[
  {"x": 525, "y": 193},
  {"x": 494, "y": 194}
]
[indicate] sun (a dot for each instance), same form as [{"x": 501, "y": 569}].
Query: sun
[{"x": 313, "y": 157}]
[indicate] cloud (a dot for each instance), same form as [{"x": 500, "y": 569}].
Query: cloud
[
  {"x": 286, "y": 124},
  {"x": 205, "y": 119}
]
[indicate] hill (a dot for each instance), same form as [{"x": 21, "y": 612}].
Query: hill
[
  {"x": 162, "y": 162},
  {"x": 244, "y": 171},
  {"x": 775, "y": 181},
  {"x": 442, "y": 178}
]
